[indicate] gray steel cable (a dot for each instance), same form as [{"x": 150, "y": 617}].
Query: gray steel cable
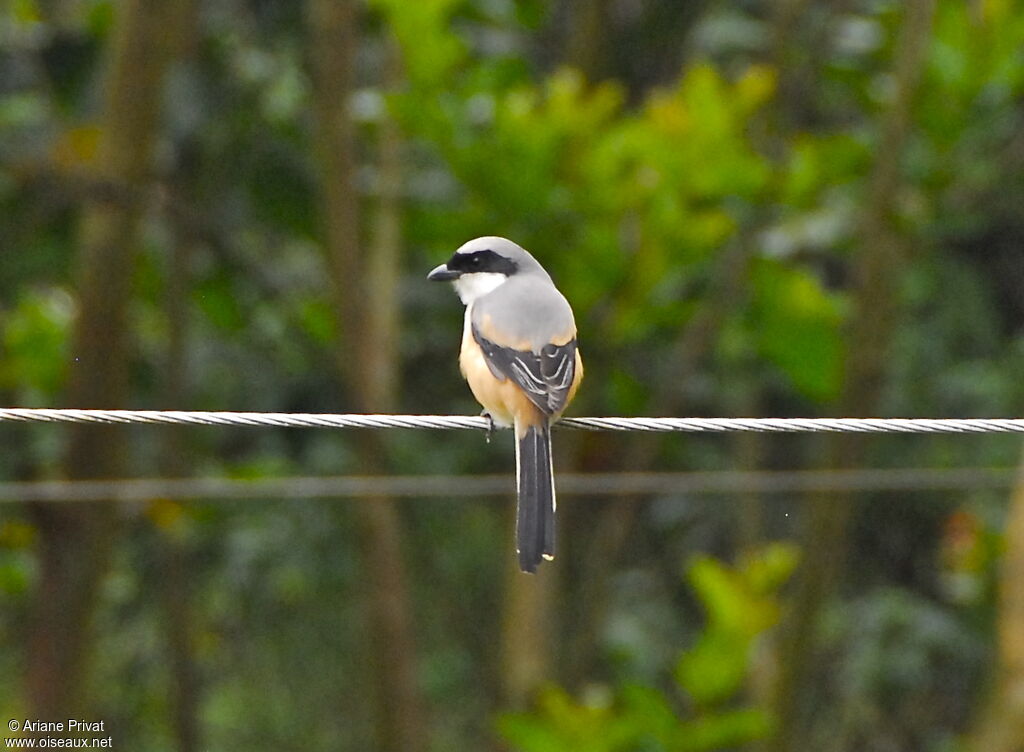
[{"x": 445, "y": 422}]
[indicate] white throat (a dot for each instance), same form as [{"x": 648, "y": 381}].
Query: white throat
[{"x": 477, "y": 284}]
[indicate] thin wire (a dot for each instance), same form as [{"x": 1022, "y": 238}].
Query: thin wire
[
  {"x": 458, "y": 486},
  {"x": 446, "y": 422}
]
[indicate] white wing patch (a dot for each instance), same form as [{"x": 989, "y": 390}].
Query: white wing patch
[{"x": 523, "y": 376}]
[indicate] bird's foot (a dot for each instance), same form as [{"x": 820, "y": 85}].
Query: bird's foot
[{"x": 490, "y": 425}]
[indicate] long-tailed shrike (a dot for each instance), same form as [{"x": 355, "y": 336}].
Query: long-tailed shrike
[{"x": 520, "y": 357}]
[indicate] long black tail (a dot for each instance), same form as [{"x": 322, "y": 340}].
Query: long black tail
[{"x": 535, "y": 518}]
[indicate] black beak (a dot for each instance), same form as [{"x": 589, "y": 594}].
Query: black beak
[{"x": 442, "y": 273}]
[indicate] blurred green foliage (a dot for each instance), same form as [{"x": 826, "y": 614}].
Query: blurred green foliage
[
  {"x": 700, "y": 203},
  {"x": 742, "y": 604},
  {"x": 639, "y": 199},
  {"x": 34, "y": 335}
]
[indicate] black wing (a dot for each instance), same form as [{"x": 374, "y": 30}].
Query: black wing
[{"x": 545, "y": 377}]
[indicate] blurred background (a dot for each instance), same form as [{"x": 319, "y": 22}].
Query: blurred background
[{"x": 756, "y": 208}]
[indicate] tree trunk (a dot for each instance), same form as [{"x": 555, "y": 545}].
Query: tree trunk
[
  {"x": 876, "y": 272},
  {"x": 526, "y": 644},
  {"x": 1000, "y": 727},
  {"x": 333, "y": 39},
  {"x": 75, "y": 540},
  {"x": 364, "y": 289},
  {"x": 175, "y": 562},
  {"x": 172, "y": 552},
  {"x": 587, "y": 43}
]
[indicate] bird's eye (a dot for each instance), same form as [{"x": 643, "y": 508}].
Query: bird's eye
[{"x": 476, "y": 261}]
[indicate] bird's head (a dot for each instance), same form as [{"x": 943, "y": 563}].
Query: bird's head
[{"x": 482, "y": 265}]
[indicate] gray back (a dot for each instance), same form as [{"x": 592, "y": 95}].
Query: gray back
[{"x": 527, "y": 308}]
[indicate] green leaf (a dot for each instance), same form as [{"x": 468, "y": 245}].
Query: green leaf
[
  {"x": 713, "y": 670},
  {"x": 796, "y": 326},
  {"x": 430, "y": 48},
  {"x": 216, "y": 299},
  {"x": 722, "y": 730},
  {"x": 317, "y": 319},
  {"x": 34, "y": 341},
  {"x": 770, "y": 568},
  {"x": 649, "y": 713},
  {"x": 740, "y": 604},
  {"x": 528, "y": 733}
]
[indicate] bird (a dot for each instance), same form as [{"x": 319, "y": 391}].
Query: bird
[{"x": 522, "y": 362}]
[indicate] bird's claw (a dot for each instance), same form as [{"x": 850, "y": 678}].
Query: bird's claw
[{"x": 490, "y": 426}]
